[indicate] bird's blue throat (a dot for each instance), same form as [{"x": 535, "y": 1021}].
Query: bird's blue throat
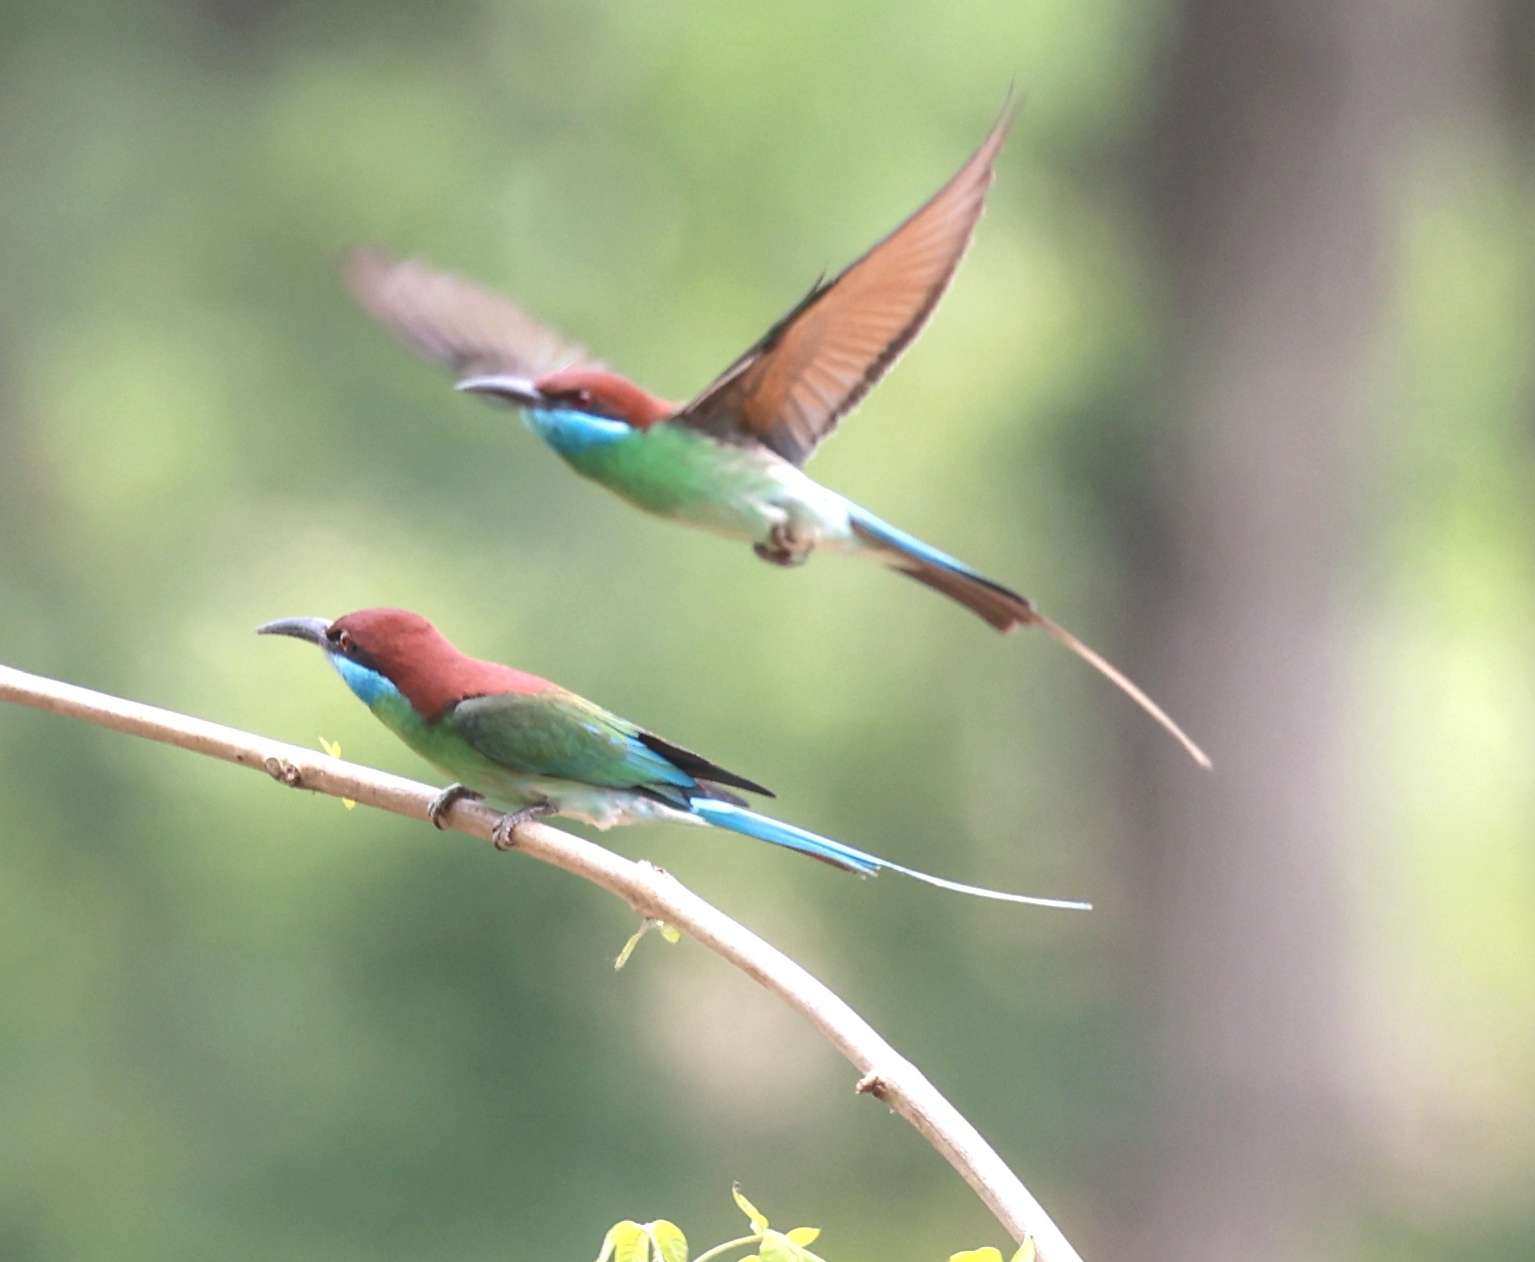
[
  {"x": 571, "y": 432},
  {"x": 370, "y": 687}
]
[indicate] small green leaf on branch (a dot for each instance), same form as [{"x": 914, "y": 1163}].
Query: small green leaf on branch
[
  {"x": 753, "y": 1214},
  {"x": 333, "y": 748},
  {"x": 650, "y": 922},
  {"x": 670, "y": 1244}
]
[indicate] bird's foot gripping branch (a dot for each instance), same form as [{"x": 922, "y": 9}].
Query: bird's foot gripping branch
[{"x": 504, "y": 837}]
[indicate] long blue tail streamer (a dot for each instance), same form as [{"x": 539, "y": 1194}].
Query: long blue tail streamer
[{"x": 738, "y": 819}]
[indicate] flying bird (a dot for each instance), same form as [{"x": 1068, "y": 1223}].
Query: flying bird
[
  {"x": 521, "y": 740},
  {"x": 731, "y": 460}
]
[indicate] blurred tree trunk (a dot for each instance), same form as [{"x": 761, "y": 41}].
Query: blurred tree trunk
[{"x": 1272, "y": 172}]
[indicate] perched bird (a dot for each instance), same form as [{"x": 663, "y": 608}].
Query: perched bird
[
  {"x": 730, "y": 460},
  {"x": 524, "y": 741}
]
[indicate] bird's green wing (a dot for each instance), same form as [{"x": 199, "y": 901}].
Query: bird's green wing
[{"x": 562, "y": 735}]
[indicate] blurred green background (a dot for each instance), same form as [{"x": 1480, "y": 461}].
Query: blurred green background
[{"x": 1236, "y": 382}]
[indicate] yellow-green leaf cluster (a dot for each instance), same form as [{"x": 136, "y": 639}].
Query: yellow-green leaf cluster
[
  {"x": 990, "y": 1253},
  {"x": 662, "y": 1241},
  {"x": 775, "y": 1246},
  {"x": 629, "y": 1241}
]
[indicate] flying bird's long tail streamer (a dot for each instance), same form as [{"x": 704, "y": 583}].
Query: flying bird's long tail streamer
[{"x": 1001, "y": 607}]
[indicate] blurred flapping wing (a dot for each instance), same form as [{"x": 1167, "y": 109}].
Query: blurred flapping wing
[
  {"x": 453, "y": 321},
  {"x": 813, "y": 366}
]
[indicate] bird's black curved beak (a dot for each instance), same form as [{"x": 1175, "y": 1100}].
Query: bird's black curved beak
[
  {"x": 311, "y": 629},
  {"x": 508, "y": 389}
]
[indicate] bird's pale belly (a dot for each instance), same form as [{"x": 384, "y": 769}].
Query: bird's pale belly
[
  {"x": 599, "y": 806},
  {"x": 602, "y": 808},
  {"x": 733, "y": 491}
]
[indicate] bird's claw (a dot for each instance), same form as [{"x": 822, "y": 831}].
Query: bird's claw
[
  {"x": 501, "y": 835},
  {"x": 440, "y": 805},
  {"x": 783, "y": 547}
]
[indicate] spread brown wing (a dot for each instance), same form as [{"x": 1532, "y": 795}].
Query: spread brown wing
[
  {"x": 812, "y": 367},
  {"x": 455, "y": 322}
]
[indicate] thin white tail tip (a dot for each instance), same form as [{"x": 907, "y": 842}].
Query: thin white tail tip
[{"x": 980, "y": 891}]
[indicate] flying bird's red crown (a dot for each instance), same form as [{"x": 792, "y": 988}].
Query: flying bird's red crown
[{"x": 605, "y": 393}]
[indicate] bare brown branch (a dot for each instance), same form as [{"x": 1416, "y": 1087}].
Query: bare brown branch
[{"x": 883, "y": 1072}]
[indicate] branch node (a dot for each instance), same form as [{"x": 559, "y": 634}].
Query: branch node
[
  {"x": 871, "y": 1084},
  {"x": 283, "y": 772}
]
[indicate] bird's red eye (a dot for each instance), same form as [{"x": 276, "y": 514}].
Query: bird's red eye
[
  {"x": 583, "y": 397},
  {"x": 344, "y": 641}
]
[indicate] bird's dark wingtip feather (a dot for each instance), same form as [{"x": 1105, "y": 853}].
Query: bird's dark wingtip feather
[{"x": 698, "y": 766}]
